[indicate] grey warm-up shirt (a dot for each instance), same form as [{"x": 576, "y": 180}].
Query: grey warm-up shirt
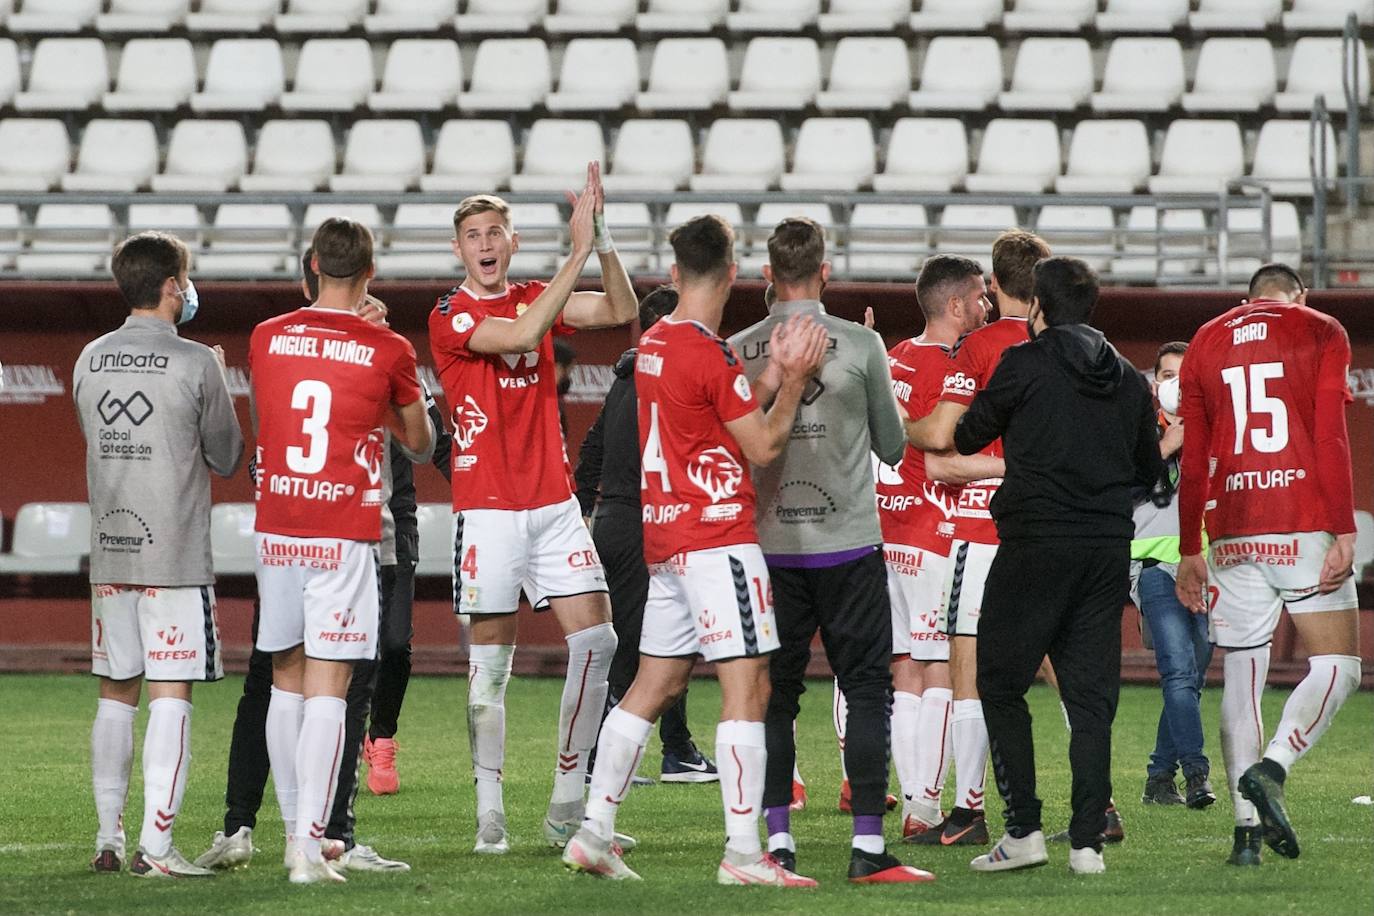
[
  {"x": 156, "y": 413},
  {"x": 818, "y": 500}
]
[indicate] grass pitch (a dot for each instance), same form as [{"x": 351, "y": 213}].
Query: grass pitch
[{"x": 1173, "y": 860}]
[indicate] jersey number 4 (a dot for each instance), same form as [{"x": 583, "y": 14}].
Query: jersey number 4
[
  {"x": 1249, "y": 399},
  {"x": 316, "y": 399}
]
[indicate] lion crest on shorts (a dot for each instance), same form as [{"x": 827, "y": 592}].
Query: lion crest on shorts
[
  {"x": 468, "y": 422},
  {"x": 368, "y": 454},
  {"x": 716, "y": 473}
]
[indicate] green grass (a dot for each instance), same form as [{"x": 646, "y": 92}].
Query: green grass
[{"x": 1172, "y": 861}]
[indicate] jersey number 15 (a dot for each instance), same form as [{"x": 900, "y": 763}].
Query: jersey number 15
[{"x": 1249, "y": 398}]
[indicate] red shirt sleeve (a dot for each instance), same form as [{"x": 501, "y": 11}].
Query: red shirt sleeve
[
  {"x": 1334, "y": 472},
  {"x": 727, "y": 388},
  {"x": 1197, "y": 438}
]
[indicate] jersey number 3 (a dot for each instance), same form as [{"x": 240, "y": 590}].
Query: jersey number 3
[
  {"x": 314, "y": 397},
  {"x": 1249, "y": 398}
]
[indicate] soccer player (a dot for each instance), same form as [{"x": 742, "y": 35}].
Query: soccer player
[
  {"x": 517, "y": 523},
  {"x": 156, "y": 413},
  {"x": 699, "y": 422},
  {"x": 325, "y": 384},
  {"x": 1267, "y": 459}
]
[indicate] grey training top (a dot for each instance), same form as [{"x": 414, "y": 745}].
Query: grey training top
[
  {"x": 156, "y": 413},
  {"x": 818, "y": 497}
]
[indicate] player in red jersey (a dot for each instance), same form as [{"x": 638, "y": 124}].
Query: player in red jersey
[
  {"x": 1267, "y": 459},
  {"x": 324, "y": 382},
  {"x": 700, "y": 426},
  {"x": 517, "y": 524}
]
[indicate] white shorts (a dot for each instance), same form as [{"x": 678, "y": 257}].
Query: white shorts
[
  {"x": 716, "y": 602},
  {"x": 1251, "y": 578},
  {"x": 547, "y": 552},
  {"x": 320, "y": 592},
  {"x": 965, "y": 579},
  {"x": 916, "y": 586},
  {"x": 164, "y": 634}
]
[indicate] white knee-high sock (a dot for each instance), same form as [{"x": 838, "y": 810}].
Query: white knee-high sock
[
  {"x": 488, "y": 673},
  {"x": 906, "y": 712},
  {"x": 741, "y": 756},
  {"x": 284, "y": 713},
  {"x": 618, "y": 752},
  {"x": 840, "y": 712},
  {"x": 1242, "y": 725},
  {"x": 934, "y": 750},
  {"x": 1307, "y": 714},
  {"x": 579, "y": 713},
  {"x": 970, "y": 753},
  {"x": 112, "y": 758},
  {"x": 166, "y": 760},
  {"x": 317, "y": 769}
]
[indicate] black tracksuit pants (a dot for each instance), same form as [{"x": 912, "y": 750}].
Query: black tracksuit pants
[
  {"x": 396, "y": 630},
  {"x": 1063, "y": 600}
]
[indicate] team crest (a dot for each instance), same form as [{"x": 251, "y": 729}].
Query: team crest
[
  {"x": 716, "y": 473},
  {"x": 468, "y": 423},
  {"x": 367, "y": 454}
]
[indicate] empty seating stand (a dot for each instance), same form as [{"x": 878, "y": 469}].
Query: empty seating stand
[{"x": 49, "y": 539}]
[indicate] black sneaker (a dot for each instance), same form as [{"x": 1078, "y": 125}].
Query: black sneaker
[
  {"x": 1160, "y": 789},
  {"x": 688, "y": 765},
  {"x": 1115, "y": 832},
  {"x": 1260, "y": 786},
  {"x": 1245, "y": 850},
  {"x": 107, "y": 860},
  {"x": 965, "y": 827},
  {"x": 1200, "y": 794},
  {"x": 787, "y": 858},
  {"x": 883, "y": 868}
]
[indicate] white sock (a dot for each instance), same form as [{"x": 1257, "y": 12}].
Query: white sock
[
  {"x": 488, "y": 673},
  {"x": 579, "y": 712},
  {"x": 934, "y": 747},
  {"x": 868, "y": 842},
  {"x": 166, "y": 760},
  {"x": 970, "y": 753},
  {"x": 618, "y": 752},
  {"x": 1312, "y": 705},
  {"x": 317, "y": 769},
  {"x": 782, "y": 841},
  {"x": 840, "y": 712},
  {"x": 284, "y": 713},
  {"x": 112, "y": 758},
  {"x": 741, "y": 757},
  {"x": 1242, "y": 724},
  {"x": 906, "y": 712}
]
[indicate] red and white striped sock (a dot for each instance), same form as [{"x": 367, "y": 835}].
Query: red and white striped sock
[
  {"x": 579, "y": 712},
  {"x": 1307, "y": 714}
]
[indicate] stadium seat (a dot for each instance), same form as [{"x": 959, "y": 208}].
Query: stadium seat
[
  {"x": 1107, "y": 157},
  {"x": 73, "y": 240},
  {"x": 383, "y": 156},
  {"x": 773, "y": 16},
  {"x": 34, "y": 153},
  {"x": 1364, "y": 542},
  {"x": 832, "y": 154},
  {"x": 236, "y": 16},
  {"x": 1051, "y": 74},
  {"x": 418, "y": 16},
  {"x": 291, "y": 156},
  {"x": 510, "y": 74},
  {"x": 435, "y": 524},
  {"x": 471, "y": 156},
  {"x": 367, "y": 214},
  {"x": 887, "y": 238},
  {"x": 11, "y": 234},
  {"x": 686, "y": 74},
  {"x": 114, "y": 156},
  {"x": 925, "y": 154},
  {"x": 1145, "y": 255},
  {"x": 1199, "y": 157},
  {"x": 1235, "y": 15},
  {"x": 867, "y": 74},
  {"x": 1316, "y": 68},
  {"x": 1281, "y": 157},
  {"x": 1326, "y": 15},
  {"x": 9, "y": 71},
  {"x": 233, "y": 546},
  {"x": 421, "y": 74},
  {"x": 675, "y": 17},
  {"x": 490, "y": 17},
  {"x": 1017, "y": 156},
  {"x": 969, "y": 229},
  {"x": 1233, "y": 74},
  {"x": 959, "y": 74},
  {"x": 651, "y": 155},
  {"x": 1245, "y": 248},
  {"x": 1142, "y": 75},
  {"x": 51, "y": 538},
  {"x": 542, "y": 231},
  {"x": 681, "y": 211},
  {"x": 419, "y": 243},
  {"x": 1081, "y": 232},
  {"x": 556, "y": 155},
  {"x": 779, "y": 74},
  {"x": 247, "y": 240},
  {"x": 1049, "y": 15},
  {"x": 741, "y": 154},
  {"x": 634, "y": 235},
  {"x": 146, "y": 16},
  {"x": 956, "y": 16},
  {"x": 1143, "y": 15},
  {"x": 598, "y": 74},
  {"x": 155, "y": 74},
  {"x": 67, "y": 74},
  {"x": 864, "y": 16},
  {"x": 204, "y": 156},
  {"x": 244, "y": 74},
  {"x": 181, "y": 220},
  {"x": 319, "y": 17},
  {"x": 765, "y": 219},
  {"x": 332, "y": 74},
  {"x": 52, "y": 17},
  {"x": 591, "y": 17}
]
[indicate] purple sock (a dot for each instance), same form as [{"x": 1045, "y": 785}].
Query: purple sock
[
  {"x": 779, "y": 819},
  {"x": 868, "y": 825}
]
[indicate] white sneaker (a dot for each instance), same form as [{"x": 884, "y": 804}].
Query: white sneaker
[
  {"x": 1011, "y": 853},
  {"x": 314, "y": 871},
  {"x": 491, "y": 834},
  {"x": 172, "y": 865},
  {"x": 736, "y": 869},
  {"x": 587, "y": 852},
  {"x": 1086, "y": 861},
  {"x": 365, "y": 858},
  {"x": 229, "y": 851}
]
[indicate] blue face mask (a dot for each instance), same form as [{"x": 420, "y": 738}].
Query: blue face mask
[{"x": 190, "y": 303}]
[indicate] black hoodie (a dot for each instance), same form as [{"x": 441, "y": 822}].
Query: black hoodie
[
  {"x": 1078, "y": 431},
  {"x": 608, "y": 462}
]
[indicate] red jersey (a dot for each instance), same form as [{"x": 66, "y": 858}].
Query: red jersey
[
  {"x": 694, "y": 481},
  {"x": 912, "y": 509},
  {"x": 323, "y": 381},
  {"x": 974, "y": 359},
  {"x": 1263, "y": 453},
  {"x": 508, "y": 450}
]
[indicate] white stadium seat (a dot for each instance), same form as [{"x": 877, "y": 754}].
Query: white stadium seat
[
  {"x": 488, "y": 17},
  {"x": 233, "y": 545},
  {"x": 1082, "y": 232},
  {"x": 594, "y": 17},
  {"x": 247, "y": 241},
  {"x": 67, "y": 74},
  {"x": 316, "y": 17},
  {"x": 867, "y": 74},
  {"x": 634, "y": 235},
  {"x": 741, "y": 154},
  {"x": 218, "y": 16},
  {"x": 771, "y": 16},
  {"x": 542, "y": 231},
  {"x": 681, "y": 211},
  {"x": 1051, "y": 74},
  {"x": 367, "y": 214},
  {"x": 1142, "y": 245},
  {"x": 419, "y": 16},
  {"x": 114, "y": 156},
  {"x": 1049, "y": 15},
  {"x": 677, "y": 17},
  {"x": 779, "y": 74},
  {"x": 959, "y": 74},
  {"x": 471, "y": 156},
  {"x": 181, "y": 220},
  {"x": 419, "y": 244},
  {"x": 925, "y": 154},
  {"x": 1315, "y": 68},
  {"x": 887, "y": 238},
  {"x": 832, "y": 154},
  {"x": 1143, "y": 15},
  {"x": 1017, "y": 156},
  {"x": 956, "y": 15},
  {"x": 50, "y": 538},
  {"x": 1233, "y": 74},
  {"x": 1326, "y": 15},
  {"x": 9, "y": 71},
  {"x": 421, "y": 74},
  {"x": 508, "y": 74},
  {"x": 651, "y": 155},
  {"x": 11, "y": 234},
  {"x": 970, "y": 229},
  {"x": 1245, "y": 249},
  {"x": 70, "y": 240},
  {"x": 332, "y": 74},
  {"x": 598, "y": 74},
  {"x": 1107, "y": 157},
  {"x": 435, "y": 524},
  {"x": 291, "y": 156},
  {"x": 556, "y": 155},
  {"x": 155, "y": 74},
  {"x": 1281, "y": 157},
  {"x": 244, "y": 74},
  {"x": 864, "y": 16},
  {"x": 382, "y": 156},
  {"x": 204, "y": 156},
  {"x": 1235, "y": 15},
  {"x": 34, "y": 153},
  {"x": 147, "y": 16},
  {"x": 686, "y": 74},
  {"x": 50, "y": 17},
  {"x": 1199, "y": 157},
  {"x": 1142, "y": 75}
]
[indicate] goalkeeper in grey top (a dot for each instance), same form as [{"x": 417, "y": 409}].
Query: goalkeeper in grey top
[
  {"x": 157, "y": 417},
  {"x": 818, "y": 527}
]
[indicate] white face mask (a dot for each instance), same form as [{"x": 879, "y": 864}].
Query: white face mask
[{"x": 1167, "y": 393}]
